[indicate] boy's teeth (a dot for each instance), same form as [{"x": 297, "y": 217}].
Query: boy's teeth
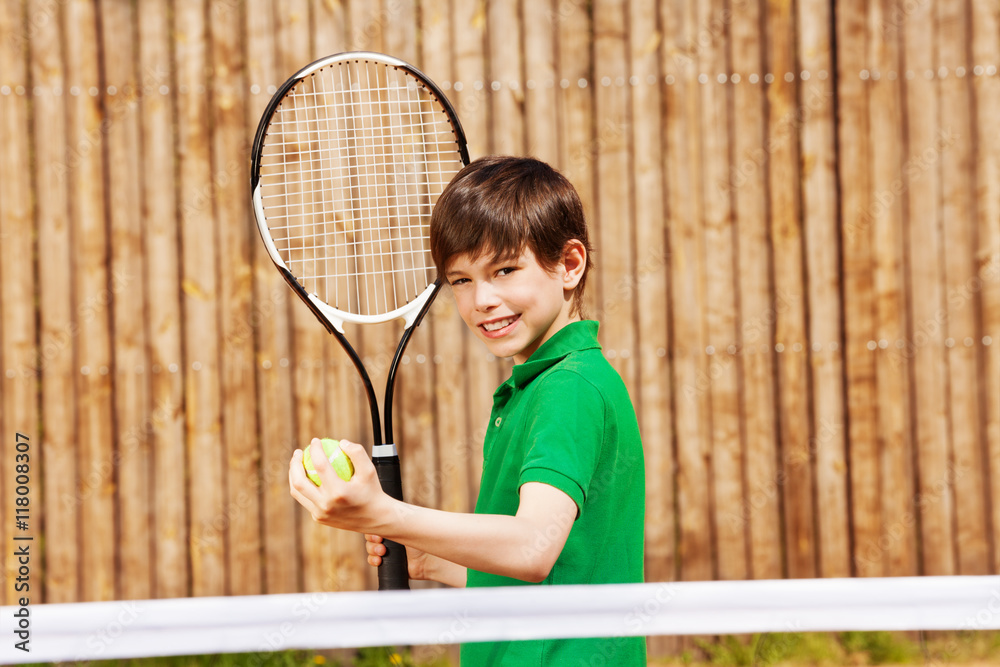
[{"x": 494, "y": 326}]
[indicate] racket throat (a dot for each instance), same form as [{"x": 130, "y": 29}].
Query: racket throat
[
  {"x": 410, "y": 312},
  {"x": 384, "y": 451}
]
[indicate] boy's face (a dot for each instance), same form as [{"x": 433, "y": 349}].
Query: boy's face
[{"x": 513, "y": 306}]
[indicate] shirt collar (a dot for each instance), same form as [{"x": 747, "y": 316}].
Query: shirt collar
[{"x": 573, "y": 337}]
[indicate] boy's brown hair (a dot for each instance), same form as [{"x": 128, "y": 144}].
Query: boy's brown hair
[{"x": 501, "y": 205}]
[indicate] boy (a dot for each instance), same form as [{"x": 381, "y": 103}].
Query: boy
[{"x": 563, "y": 488}]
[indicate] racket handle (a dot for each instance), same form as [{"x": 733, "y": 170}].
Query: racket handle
[{"x": 393, "y": 573}]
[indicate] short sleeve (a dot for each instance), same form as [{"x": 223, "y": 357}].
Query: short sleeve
[{"x": 564, "y": 429}]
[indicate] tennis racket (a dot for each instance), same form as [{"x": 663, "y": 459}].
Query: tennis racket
[{"x": 349, "y": 157}]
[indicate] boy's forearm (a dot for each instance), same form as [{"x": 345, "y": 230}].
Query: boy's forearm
[
  {"x": 505, "y": 545},
  {"x": 487, "y": 543}
]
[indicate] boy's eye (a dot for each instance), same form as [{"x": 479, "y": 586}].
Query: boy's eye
[
  {"x": 459, "y": 281},
  {"x": 507, "y": 270}
]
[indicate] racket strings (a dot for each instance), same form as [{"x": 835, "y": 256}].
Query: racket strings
[
  {"x": 356, "y": 156},
  {"x": 343, "y": 247}
]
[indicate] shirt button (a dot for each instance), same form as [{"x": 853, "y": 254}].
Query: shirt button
[{"x": 497, "y": 422}]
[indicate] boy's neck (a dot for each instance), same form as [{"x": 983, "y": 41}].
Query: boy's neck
[{"x": 564, "y": 319}]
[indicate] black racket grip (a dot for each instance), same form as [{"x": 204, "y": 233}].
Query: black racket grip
[{"x": 393, "y": 573}]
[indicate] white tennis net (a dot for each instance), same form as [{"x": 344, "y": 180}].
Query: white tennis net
[{"x": 188, "y": 626}]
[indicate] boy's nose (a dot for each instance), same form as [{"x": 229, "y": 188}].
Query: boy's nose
[{"x": 486, "y": 297}]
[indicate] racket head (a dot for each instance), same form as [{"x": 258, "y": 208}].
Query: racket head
[{"x": 349, "y": 158}]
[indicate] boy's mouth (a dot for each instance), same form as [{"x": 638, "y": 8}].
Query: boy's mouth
[{"x": 500, "y": 327}]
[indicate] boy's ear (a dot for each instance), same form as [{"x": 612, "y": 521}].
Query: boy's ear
[{"x": 574, "y": 259}]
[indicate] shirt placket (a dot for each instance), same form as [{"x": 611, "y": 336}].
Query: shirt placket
[{"x": 501, "y": 407}]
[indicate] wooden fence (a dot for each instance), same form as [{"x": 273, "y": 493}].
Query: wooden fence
[{"x": 797, "y": 221}]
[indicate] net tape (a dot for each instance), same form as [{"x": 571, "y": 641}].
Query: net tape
[{"x": 142, "y": 628}]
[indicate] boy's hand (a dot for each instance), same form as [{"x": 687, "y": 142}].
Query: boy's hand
[
  {"x": 357, "y": 505},
  {"x": 415, "y": 559},
  {"x": 421, "y": 565}
]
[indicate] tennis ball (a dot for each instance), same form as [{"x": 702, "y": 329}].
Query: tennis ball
[{"x": 341, "y": 463}]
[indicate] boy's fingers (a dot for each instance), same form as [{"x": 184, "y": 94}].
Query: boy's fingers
[
  {"x": 319, "y": 460},
  {"x": 357, "y": 454},
  {"x": 375, "y": 548},
  {"x": 298, "y": 483},
  {"x": 354, "y": 451},
  {"x": 296, "y": 459},
  {"x": 296, "y": 473}
]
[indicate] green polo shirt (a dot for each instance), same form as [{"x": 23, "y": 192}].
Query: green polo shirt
[{"x": 564, "y": 418}]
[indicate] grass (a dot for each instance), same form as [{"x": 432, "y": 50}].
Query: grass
[
  {"x": 844, "y": 649},
  {"x": 849, "y": 648},
  {"x": 365, "y": 657}
]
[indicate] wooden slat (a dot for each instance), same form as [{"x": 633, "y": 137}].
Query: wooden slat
[
  {"x": 986, "y": 89},
  {"x": 960, "y": 270},
  {"x": 57, "y": 317},
  {"x": 575, "y": 103},
  {"x": 789, "y": 280},
  {"x": 925, "y": 342},
  {"x": 163, "y": 308},
  {"x": 327, "y": 27},
  {"x": 293, "y": 52},
  {"x": 94, "y": 291},
  {"x": 857, "y": 228},
  {"x": 683, "y": 126},
  {"x": 651, "y": 252},
  {"x": 471, "y": 102},
  {"x": 272, "y": 300},
  {"x": 540, "y": 84},
  {"x": 311, "y": 421},
  {"x": 821, "y": 238},
  {"x": 200, "y": 287},
  {"x": 697, "y": 559},
  {"x": 504, "y": 79},
  {"x": 131, "y": 382},
  {"x": 18, "y": 329},
  {"x": 230, "y": 139},
  {"x": 759, "y": 509},
  {"x": 365, "y": 25},
  {"x": 293, "y": 335},
  {"x": 721, "y": 383},
  {"x": 613, "y": 248},
  {"x": 895, "y": 545}
]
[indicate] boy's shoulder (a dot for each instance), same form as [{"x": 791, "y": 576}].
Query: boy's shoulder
[
  {"x": 570, "y": 363},
  {"x": 585, "y": 371},
  {"x": 588, "y": 365}
]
